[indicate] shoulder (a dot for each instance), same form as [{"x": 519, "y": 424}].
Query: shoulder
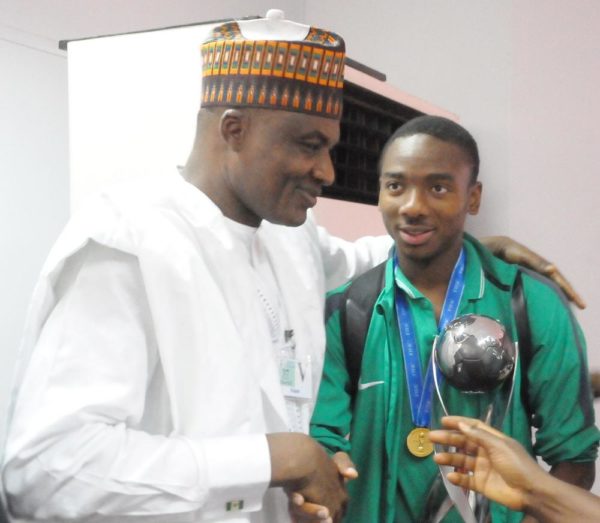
[
  {"x": 158, "y": 209},
  {"x": 135, "y": 217},
  {"x": 538, "y": 286},
  {"x": 168, "y": 198},
  {"x": 548, "y": 308}
]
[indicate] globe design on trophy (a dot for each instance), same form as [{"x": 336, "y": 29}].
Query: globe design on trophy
[
  {"x": 475, "y": 354},
  {"x": 476, "y": 357}
]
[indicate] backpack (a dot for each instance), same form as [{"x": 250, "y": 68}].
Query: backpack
[{"x": 356, "y": 305}]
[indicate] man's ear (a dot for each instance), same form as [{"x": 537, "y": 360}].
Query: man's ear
[
  {"x": 234, "y": 124},
  {"x": 475, "y": 197}
]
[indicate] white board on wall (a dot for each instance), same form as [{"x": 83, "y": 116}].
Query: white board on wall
[{"x": 133, "y": 101}]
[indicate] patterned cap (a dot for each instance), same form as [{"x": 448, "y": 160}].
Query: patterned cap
[{"x": 272, "y": 63}]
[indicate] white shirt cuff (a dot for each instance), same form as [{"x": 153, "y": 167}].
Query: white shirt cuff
[{"x": 237, "y": 470}]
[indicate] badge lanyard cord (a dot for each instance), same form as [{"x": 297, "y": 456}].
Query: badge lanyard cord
[{"x": 419, "y": 390}]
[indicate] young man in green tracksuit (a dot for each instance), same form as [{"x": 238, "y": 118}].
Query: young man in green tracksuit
[{"x": 428, "y": 185}]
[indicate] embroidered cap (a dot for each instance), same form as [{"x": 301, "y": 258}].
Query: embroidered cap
[{"x": 272, "y": 63}]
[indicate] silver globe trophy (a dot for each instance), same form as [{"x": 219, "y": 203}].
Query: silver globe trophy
[{"x": 473, "y": 359}]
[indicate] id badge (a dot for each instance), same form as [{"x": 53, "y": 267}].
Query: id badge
[{"x": 295, "y": 377}]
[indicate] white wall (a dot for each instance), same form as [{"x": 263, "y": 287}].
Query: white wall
[
  {"x": 553, "y": 142},
  {"x": 34, "y": 194},
  {"x": 554, "y": 139},
  {"x": 70, "y": 19}
]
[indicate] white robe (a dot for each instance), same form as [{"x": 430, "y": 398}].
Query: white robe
[{"x": 147, "y": 380}]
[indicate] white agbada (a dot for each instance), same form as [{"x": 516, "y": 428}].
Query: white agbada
[{"x": 147, "y": 378}]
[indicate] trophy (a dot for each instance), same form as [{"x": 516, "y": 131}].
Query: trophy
[{"x": 473, "y": 359}]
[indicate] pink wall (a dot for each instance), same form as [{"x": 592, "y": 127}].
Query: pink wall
[{"x": 554, "y": 142}]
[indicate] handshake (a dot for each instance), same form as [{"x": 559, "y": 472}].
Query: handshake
[{"x": 314, "y": 482}]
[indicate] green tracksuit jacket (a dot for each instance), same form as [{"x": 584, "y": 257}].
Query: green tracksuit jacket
[{"x": 392, "y": 484}]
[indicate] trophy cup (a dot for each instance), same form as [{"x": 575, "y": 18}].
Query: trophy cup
[{"x": 472, "y": 360}]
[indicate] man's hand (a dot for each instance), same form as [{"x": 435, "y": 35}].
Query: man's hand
[
  {"x": 513, "y": 252},
  {"x": 500, "y": 468},
  {"x": 303, "y": 511},
  {"x": 489, "y": 462},
  {"x": 310, "y": 477},
  {"x": 345, "y": 466}
]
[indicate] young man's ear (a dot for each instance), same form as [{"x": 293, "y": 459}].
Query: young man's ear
[
  {"x": 475, "y": 197},
  {"x": 234, "y": 127}
]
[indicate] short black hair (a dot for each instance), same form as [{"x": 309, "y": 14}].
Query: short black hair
[{"x": 442, "y": 129}]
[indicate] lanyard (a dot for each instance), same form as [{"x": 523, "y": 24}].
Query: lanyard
[{"x": 419, "y": 392}]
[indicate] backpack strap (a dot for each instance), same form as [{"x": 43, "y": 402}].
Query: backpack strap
[
  {"x": 356, "y": 309},
  {"x": 519, "y": 306}
]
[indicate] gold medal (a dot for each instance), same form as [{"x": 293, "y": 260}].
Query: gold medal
[{"x": 418, "y": 442}]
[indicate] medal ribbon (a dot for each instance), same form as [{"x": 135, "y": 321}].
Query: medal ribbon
[{"x": 419, "y": 391}]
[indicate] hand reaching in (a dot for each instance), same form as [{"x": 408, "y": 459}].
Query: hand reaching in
[{"x": 487, "y": 461}]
